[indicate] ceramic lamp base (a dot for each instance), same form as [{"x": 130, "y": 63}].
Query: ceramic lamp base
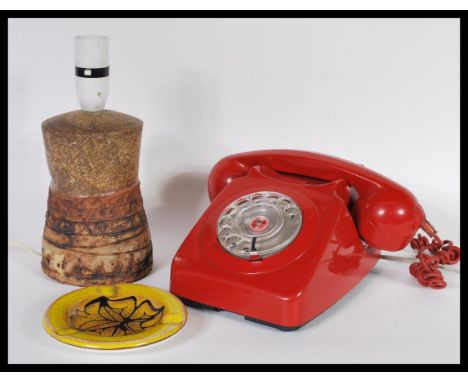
[{"x": 96, "y": 240}]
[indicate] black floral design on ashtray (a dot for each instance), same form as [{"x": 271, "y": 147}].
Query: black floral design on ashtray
[{"x": 119, "y": 317}]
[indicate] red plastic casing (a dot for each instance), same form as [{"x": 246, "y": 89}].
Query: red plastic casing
[{"x": 326, "y": 259}]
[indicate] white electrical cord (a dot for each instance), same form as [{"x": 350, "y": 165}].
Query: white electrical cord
[{"x": 23, "y": 246}]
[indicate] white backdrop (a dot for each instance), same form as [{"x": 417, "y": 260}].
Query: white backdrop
[{"x": 382, "y": 92}]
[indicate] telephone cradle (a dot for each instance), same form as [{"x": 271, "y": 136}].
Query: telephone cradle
[{"x": 288, "y": 233}]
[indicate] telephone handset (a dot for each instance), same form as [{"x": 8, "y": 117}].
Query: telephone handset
[{"x": 288, "y": 233}]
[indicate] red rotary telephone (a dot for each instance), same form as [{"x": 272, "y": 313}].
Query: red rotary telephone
[{"x": 288, "y": 233}]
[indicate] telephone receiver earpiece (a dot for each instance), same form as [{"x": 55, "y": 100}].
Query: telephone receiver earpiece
[{"x": 386, "y": 215}]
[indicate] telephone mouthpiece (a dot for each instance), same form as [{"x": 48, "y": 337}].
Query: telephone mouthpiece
[{"x": 92, "y": 71}]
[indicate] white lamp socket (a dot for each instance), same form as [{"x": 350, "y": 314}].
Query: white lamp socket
[{"x": 92, "y": 71}]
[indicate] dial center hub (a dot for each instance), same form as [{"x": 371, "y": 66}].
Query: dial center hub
[{"x": 259, "y": 223}]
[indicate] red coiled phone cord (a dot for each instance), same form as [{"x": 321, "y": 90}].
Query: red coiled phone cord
[{"x": 430, "y": 255}]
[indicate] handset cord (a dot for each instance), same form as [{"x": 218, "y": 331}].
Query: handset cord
[
  {"x": 432, "y": 254},
  {"x": 405, "y": 259}
]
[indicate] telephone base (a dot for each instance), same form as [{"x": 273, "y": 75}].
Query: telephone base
[
  {"x": 279, "y": 327},
  {"x": 198, "y": 305}
]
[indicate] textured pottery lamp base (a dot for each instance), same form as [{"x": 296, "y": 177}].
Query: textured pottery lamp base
[
  {"x": 96, "y": 240},
  {"x": 96, "y": 232}
]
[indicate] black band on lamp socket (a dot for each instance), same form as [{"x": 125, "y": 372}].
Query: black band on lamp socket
[{"x": 91, "y": 72}]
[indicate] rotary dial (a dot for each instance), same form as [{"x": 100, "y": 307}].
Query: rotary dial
[{"x": 258, "y": 225}]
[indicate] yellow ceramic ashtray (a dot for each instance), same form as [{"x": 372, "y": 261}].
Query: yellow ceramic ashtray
[{"x": 115, "y": 317}]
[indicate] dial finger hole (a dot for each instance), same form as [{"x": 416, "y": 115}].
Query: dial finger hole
[
  {"x": 225, "y": 221},
  {"x": 292, "y": 212},
  {"x": 232, "y": 239},
  {"x": 257, "y": 197},
  {"x": 226, "y": 230},
  {"x": 242, "y": 202},
  {"x": 284, "y": 202}
]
